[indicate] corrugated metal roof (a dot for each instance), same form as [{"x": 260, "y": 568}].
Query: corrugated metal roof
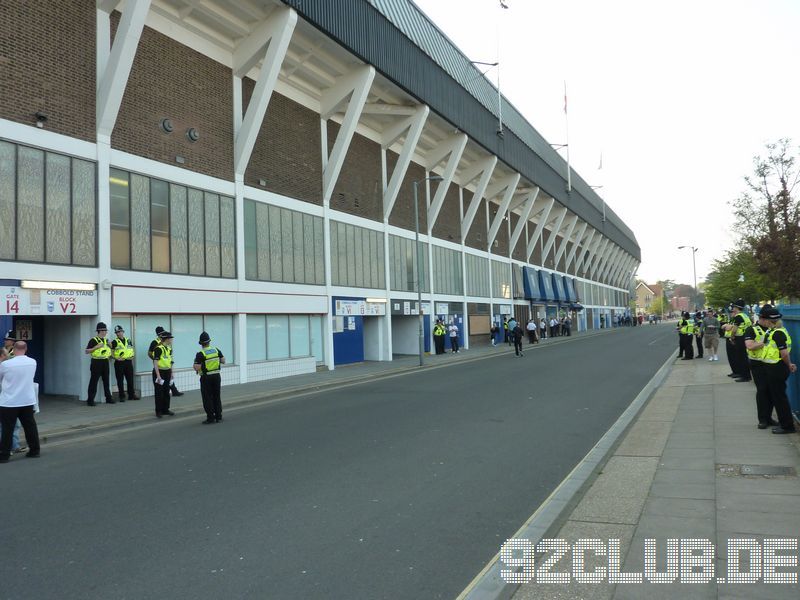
[{"x": 414, "y": 24}]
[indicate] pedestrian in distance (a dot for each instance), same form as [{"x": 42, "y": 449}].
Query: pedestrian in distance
[
  {"x": 153, "y": 345},
  {"x": 452, "y": 330},
  {"x": 100, "y": 351},
  {"x": 207, "y": 364},
  {"x": 711, "y": 325},
  {"x": 516, "y": 336},
  {"x": 18, "y": 401},
  {"x": 512, "y": 322},
  {"x": 543, "y": 329},
  {"x": 162, "y": 365},
  {"x": 438, "y": 336},
  {"x": 493, "y": 331},
  {"x": 123, "y": 353},
  {"x": 698, "y": 333},
  {"x": 505, "y": 330},
  {"x": 531, "y": 328}
]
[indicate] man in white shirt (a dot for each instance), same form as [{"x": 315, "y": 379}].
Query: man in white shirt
[{"x": 17, "y": 401}]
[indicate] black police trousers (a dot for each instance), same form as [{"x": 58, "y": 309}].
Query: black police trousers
[
  {"x": 98, "y": 369},
  {"x": 162, "y": 392},
  {"x": 777, "y": 375},
  {"x": 686, "y": 342},
  {"x": 8, "y": 420},
  {"x": 210, "y": 391},
  {"x": 123, "y": 370},
  {"x": 740, "y": 357},
  {"x": 763, "y": 398}
]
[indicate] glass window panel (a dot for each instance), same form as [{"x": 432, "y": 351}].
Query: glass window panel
[
  {"x": 256, "y": 338},
  {"x": 197, "y": 253},
  {"x": 119, "y": 185},
  {"x": 144, "y": 332},
  {"x": 8, "y": 224},
  {"x": 228, "y": 236},
  {"x": 319, "y": 251},
  {"x": 297, "y": 247},
  {"x": 220, "y": 328},
  {"x": 178, "y": 229},
  {"x": 213, "y": 263},
  {"x": 262, "y": 241},
  {"x": 286, "y": 245},
  {"x": 30, "y": 204},
  {"x": 309, "y": 275},
  {"x": 140, "y": 222},
  {"x": 275, "y": 249},
  {"x": 57, "y": 208},
  {"x": 84, "y": 223},
  {"x": 159, "y": 194},
  {"x": 186, "y": 329},
  {"x": 299, "y": 336},
  {"x": 250, "y": 243},
  {"x": 277, "y": 337},
  {"x": 317, "y": 347}
]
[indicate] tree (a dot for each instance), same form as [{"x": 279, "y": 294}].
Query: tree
[
  {"x": 668, "y": 285},
  {"x": 660, "y": 306},
  {"x": 737, "y": 276},
  {"x": 768, "y": 217}
]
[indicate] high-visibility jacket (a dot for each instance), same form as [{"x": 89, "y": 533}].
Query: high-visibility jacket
[
  {"x": 123, "y": 349},
  {"x": 745, "y": 325},
  {"x": 104, "y": 351},
  {"x": 687, "y": 327},
  {"x": 760, "y": 337},
  {"x": 211, "y": 362},
  {"x": 165, "y": 360},
  {"x": 772, "y": 355}
]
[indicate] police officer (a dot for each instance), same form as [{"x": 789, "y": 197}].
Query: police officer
[
  {"x": 698, "y": 333},
  {"x": 123, "y": 353},
  {"x": 778, "y": 366},
  {"x": 754, "y": 338},
  {"x": 8, "y": 344},
  {"x": 100, "y": 352},
  {"x": 737, "y": 353},
  {"x": 207, "y": 363},
  {"x": 153, "y": 345},
  {"x": 686, "y": 330},
  {"x": 162, "y": 366},
  {"x": 438, "y": 336}
]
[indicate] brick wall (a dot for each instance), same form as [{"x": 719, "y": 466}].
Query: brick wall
[
  {"x": 522, "y": 244},
  {"x": 170, "y": 80},
  {"x": 403, "y": 211},
  {"x": 448, "y": 223},
  {"x": 47, "y": 64},
  {"x": 500, "y": 244},
  {"x": 288, "y": 152},
  {"x": 476, "y": 236},
  {"x": 358, "y": 190}
]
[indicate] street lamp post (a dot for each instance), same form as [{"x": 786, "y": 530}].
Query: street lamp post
[
  {"x": 419, "y": 269},
  {"x": 694, "y": 271}
]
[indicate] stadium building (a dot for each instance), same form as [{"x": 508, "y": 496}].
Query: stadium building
[{"x": 249, "y": 168}]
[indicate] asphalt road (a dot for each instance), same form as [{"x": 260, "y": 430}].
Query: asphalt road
[{"x": 400, "y": 488}]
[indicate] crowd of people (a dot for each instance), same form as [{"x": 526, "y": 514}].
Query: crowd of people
[{"x": 757, "y": 351}]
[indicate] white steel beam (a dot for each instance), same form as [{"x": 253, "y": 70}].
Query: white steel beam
[
  {"x": 601, "y": 258},
  {"x": 567, "y": 236},
  {"x": 591, "y": 263},
  {"x": 414, "y": 125},
  {"x": 453, "y": 148},
  {"x": 587, "y": 252},
  {"x": 619, "y": 262},
  {"x": 510, "y": 184},
  {"x": 111, "y": 85},
  {"x": 620, "y": 274},
  {"x": 579, "y": 239},
  {"x": 356, "y": 85},
  {"x": 272, "y": 35},
  {"x": 483, "y": 168},
  {"x": 543, "y": 218},
  {"x": 107, "y": 6},
  {"x": 610, "y": 262},
  {"x": 527, "y": 209},
  {"x": 554, "y": 234},
  {"x": 382, "y": 108}
]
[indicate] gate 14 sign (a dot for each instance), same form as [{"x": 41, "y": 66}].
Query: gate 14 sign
[{"x": 18, "y": 301}]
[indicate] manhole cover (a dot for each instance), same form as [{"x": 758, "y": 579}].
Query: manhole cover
[{"x": 756, "y": 470}]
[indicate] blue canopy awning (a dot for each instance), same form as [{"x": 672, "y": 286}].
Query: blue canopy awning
[
  {"x": 558, "y": 286},
  {"x": 530, "y": 282},
  {"x": 569, "y": 288},
  {"x": 546, "y": 287}
]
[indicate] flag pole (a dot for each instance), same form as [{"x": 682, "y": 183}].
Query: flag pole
[{"x": 566, "y": 121}]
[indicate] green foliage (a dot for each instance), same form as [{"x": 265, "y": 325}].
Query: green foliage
[
  {"x": 737, "y": 276},
  {"x": 660, "y": 306}
]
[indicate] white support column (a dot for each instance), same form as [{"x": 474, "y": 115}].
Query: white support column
[
  {"x": 269, "y": 41},
  {"x": 510, "y": 185},
  {"x": 537, "y": 233},
  {"x": 610, "y": 262},
  {"x": 483, "y": 169},
  {"x": 111, "y": 85},
  {"x": 413, "y": 125},
  {"x": 618, "y": 263},
  {"x": 567, "y": 236},
  {"x": 588, "y": 251},
  {"x": 617, "y": 276},
  {"x": 559, "y": 220},
  {"x": 355, "y": 84},
  {"x": 452, "y": 147},
  {"x": 579, "y": 239},
  {"x": 595, "y": 256},
  {"x": 527, "y": 209},
  {"x": 600, "y": 258}
]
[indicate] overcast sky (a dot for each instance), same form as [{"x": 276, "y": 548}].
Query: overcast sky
[{"x": 678, "y": 97}]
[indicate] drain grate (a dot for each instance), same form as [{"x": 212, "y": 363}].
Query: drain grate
[{"x": 756, "y": 471}]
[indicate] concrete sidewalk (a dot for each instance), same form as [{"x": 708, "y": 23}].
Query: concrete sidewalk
[
  {"x": 61, "y": 419},
  {"x": 683, "y": 470}
]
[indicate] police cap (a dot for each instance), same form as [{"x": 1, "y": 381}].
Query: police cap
[
  {"x": 10, "y": 335},
  {"x": 771, "y": 313},
  {"x": 204, "y": 338},
  {"x": 101, "y": 327}
]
